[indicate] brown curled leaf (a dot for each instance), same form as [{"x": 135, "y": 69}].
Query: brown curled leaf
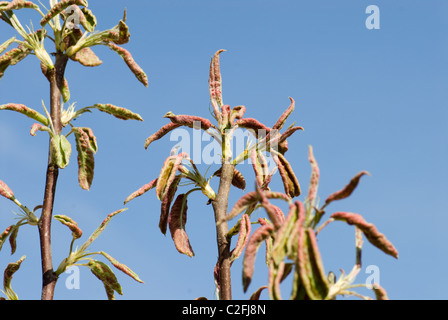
[
  {"x": 5, "y": 191},
  {"x": 347, "y": 190},
  {"x": 243, "y": 238},
  {"x": 380, "y": 293},
  {"x": 5, "y": 235},
  {"x": 189, "y": 121},
  {"x": 376, "y": 238},
  {"x": 177, "y": 222},
  {"x": 161, "y": 133},
  {"x": 71, "y": 224},
  {"x": 238, "y": 180},
  {"x": 237, "y": 114},
  {"x": 10, "y": 270},
  {"x": 257, "y": 128},
  {"x": 141, "y": 191},
  {"x": 290, "y": 182},
  {"x": 168, "y": 174},
  {"x": 256, "y": 294},
  {"x": 166, "y": 203},
  {"x": 281, "y": 121},
  {"x": 123, "y": 268},
  {"x": 130, "y": 62}
]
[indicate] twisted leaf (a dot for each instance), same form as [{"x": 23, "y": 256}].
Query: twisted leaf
[
  {"x": 5, "y": 235},
  {"x": 168, "y": 174},
  {"x": 243, "y": 238},
  {"x": 376, "y": 238},
  {"x": 71, "y": 224},
  {"x": 86, "y": 147},
  {"x": 215, "y": 86},
  {"x": 177, "y": 222},
  {"x": 290, "y": 182},
  {"x": 166, "y": 203},
  {"x": 189, "y": 121},
  {"x": 10, "y": 270}
]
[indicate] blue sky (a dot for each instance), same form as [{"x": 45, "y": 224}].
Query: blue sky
[{"x": 370, "y": 100}]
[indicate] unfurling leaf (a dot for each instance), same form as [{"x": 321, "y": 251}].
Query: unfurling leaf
[
  {"x": 177, "y": 222},
  {"x": 61, "y": 150},
  {"x": 260, "y": 235},
  {"x": 117, "y": 112},
  {"x": 71, "y": 224},
  {"x": 243, "y": 238},
  {"x": 30, "y": 113},
  {"x": 130, "y": 62},
  {"x": 5, "y": 191},
  {"x": 103, "y": 272},
  {"x": 161, "y": 133},
  {"x": 347, "y": 190},
  {"x": 10, "y": 270},
  {"x": 376, "y": 238},
  {"x": 86, "y": 147},
  {"x": 141, "y": 191},
  {"x": 123, "y": 268}
]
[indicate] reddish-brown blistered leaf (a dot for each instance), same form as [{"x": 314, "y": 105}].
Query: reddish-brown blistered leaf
[
  {"x": 261, "y": 169},
  {"x": 290, "y": 182},
  {"x": 380, "y": 293},
  {"x": 117, "y": 112},
  {"x": 30, "y": 113},
  {"x": 215, "y": 85},
  {"x": 166, "y": 203},
  {"x": 19, "y": 4},
  {"x": 5, "y": 235},
  {"x": 59, "y": 7},
  {"x": 275, "y": 277},
  {"x": 376, "y": 238},
  {"x": 130, "y": 62},
  {"x": 86, "y": 57},
  {"x": 85, "y": 146},
  {"x": 12, "y": 57},
  {"x": 314, "y": 181},
  {"x": 7, "y": 43},
  {"x": 281, "y": 121},
  {"x": 242, "y": 204},
  {"x": 71, "y": 224},
  {"x": 254, "y": 125},
  {"x": 5, "y": 191},
  {"x": 177, "y": 222},
  {"x": 225, "y": 116},
  {"x": 161, "y": 133},
  {"x": 123, "y": 268},
  {"x": 347, "y": 190},
  {"x": 189, "y": 121},
  {"x": 243, "y": 238},
  {"x": 237, "y": 114},
  {"x": 141, "y": 191},
  {"x": 260, "y": 235}
]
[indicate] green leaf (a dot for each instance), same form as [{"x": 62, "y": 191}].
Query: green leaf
[
  {"x": 117, "y": 112},
  {"x": 125, "y": 269},
  {"x": 104, "y": 273},
  {"x": 71, "y": 224},
  {"x": 61, "y": 150}
]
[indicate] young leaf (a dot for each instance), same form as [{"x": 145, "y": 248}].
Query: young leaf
[
  {"x": 189, "y": 121},
  {"x": 118, "y": 112},
  {"x": 19, "y": 4},
  {"x": 13, "y": 238},
  {"x": 71, "y": 224},
  {"x": 177, "y": 222},
  {"x": 30, "y": 113},
  {"x": 5, "y": 235},
  {"x": 61, "y": 150},
  {"x": 215, "y": 86},
  {"x": 142, "y": 191},
  {"x": 60, "y": 7},
  {"x": 86, "y": 147},
  {"x": 87, "y": 58},
  {"x": 281, "y": 121},
  {"x": 314, "y": 181},
  {"x": 166, "y": 203},
  {"x": 347, "y": 190},
  {"x": 103, "y": 272},
  {"x": 253, "y": 245},
  {"x": 6, "y": 44},
  {"x": 130, "y": 62},
  {"x": 243, "y": 203},
  {"x": 376, "y": 238},
  {"x": 125, "y": 269},
  {"x": 99, "y": 230},
  {"x": 290, "y": 182},
  {"x": 13, "y": 57},
  {"x": 10, "y": 270}
]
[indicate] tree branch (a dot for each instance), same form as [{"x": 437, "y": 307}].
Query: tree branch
[{"x": 49, "y": 278}]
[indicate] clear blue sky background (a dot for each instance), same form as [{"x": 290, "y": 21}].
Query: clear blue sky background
[{"x": 370, "y": 100}]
